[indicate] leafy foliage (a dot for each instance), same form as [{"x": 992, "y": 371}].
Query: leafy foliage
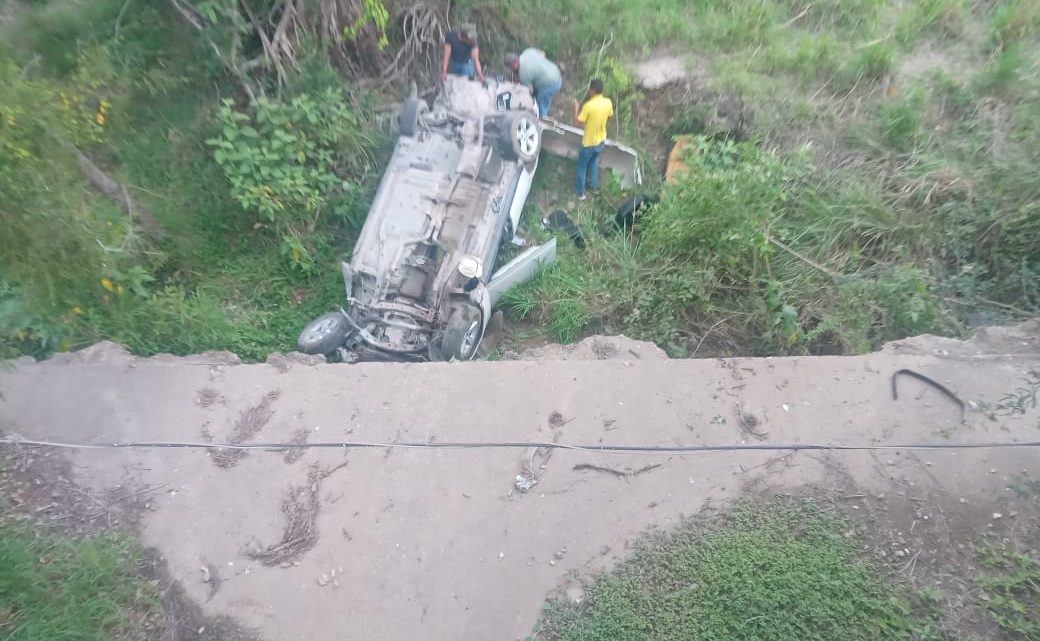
[
  {"x": 716, "y": 252},
  {"x": 373, "y": 11},
  {"x": 292, "y": 160}
]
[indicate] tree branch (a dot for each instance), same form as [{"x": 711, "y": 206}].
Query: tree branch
[{"x": 117, "y": 193}]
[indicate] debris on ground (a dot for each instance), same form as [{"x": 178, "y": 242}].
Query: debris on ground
[
  {"x": 293, "y": 454},
  {"x": 300, "y": 507},
  {"x": 561, "y": 222},
  {"x": 525, "y": 483},
  {"x": 621, "y": 474},
  {"x": 249, "y": 423}
]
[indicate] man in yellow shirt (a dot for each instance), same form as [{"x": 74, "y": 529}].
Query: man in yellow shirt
[{"x": 593, "y": 116}]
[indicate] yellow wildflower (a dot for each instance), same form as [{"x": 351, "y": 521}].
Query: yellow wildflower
[
  {"x": 107, "y": 284},
  {"x": 78, "y": 311}
]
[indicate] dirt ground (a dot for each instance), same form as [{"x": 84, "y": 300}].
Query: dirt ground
[{"x": 400, "y": 543}]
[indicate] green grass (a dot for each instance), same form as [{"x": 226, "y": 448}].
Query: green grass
[
  {"x": 219, "y": 281},
  {"x": 914, "y": 194},
  {"x": 785, "y": 571},
  {"x": 919, "y": 189},
  {"x": 1010, "y": 583},
  {"x": 70, "y": 588},
  {"x": 754, "y": 247}
]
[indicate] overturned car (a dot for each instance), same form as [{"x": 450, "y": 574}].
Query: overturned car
[{"x": 419, "y": 284}]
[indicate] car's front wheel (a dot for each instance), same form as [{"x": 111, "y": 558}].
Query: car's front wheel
[
  {"x": 462, "y": 334},
  {"x": 324, "y": 334}
]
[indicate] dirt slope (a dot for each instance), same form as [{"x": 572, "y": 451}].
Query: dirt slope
[{"x": 439, "y": 544}]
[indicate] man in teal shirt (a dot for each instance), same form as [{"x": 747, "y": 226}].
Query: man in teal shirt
[{"x": 539, "y": 73}]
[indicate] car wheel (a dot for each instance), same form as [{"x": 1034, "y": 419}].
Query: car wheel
[
  {"x": 408, "y": 119},
  {"x": 524, "y": 138},
  {"x": 323, "y": 334},
  {"x": 462, "y": 334}
]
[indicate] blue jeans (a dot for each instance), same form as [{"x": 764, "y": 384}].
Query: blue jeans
[
  {"x": 588, "y": 165},
  {"x": 462, "y": 68},
  {"x": 544, "y": 97}
]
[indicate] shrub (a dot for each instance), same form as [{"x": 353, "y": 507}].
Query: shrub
[
  {"x": 292, "y": 161},
  {"x": 896, "y": 303},
  {"x": 717, "y": 217}
]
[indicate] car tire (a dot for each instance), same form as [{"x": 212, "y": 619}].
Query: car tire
[
  {"x": 522, "y": 137},
  {"x": 462, "y": 334},
  {"x": 324, "y": 334},
  {"x": 408, "y": 119}
]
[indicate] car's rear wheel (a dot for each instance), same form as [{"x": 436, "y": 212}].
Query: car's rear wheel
[
  {"x": 408, "y": 119},
  {"x": 523, "y": 137},
  {"x": 324, "y": 334},
  {"x": 462, "y": 334}
]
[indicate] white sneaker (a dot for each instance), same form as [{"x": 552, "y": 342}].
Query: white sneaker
[{"x": 581, "y": 197}]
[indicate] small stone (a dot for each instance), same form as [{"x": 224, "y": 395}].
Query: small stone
[
  {"x": 323, "y": 580},
  {"x": 900, "y": 553},
  {"x": 962, "y": 500},
  {"x": 997, "y": 515},
  {"x": 551, "y": 562},
  {"x": 501, "y": 555},
  {"x": 575, "y": 593}
]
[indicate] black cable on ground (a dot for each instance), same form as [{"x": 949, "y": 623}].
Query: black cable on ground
[{"x": 460, "y": 445}]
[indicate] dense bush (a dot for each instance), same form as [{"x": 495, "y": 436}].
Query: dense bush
[
  {"x": 716, "y": 255},
  {"x": 292, "y": 160}
]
